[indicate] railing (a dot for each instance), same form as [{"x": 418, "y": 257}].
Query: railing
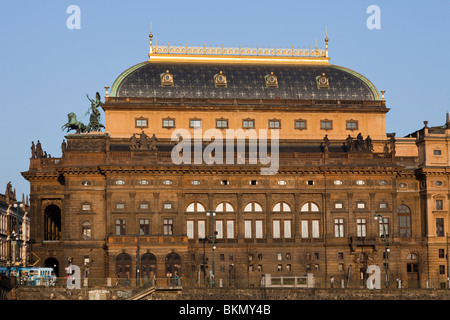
[
  {"x": 239, "y": 51},
  {"x": 147, "y": 239}
]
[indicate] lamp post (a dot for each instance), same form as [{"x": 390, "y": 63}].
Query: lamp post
[
  {"x": 138, "y": 262},
  {"x": 212, "y": 214},
  {"x": 386, "y": 249},
  {"x": 17, "y": 205}
]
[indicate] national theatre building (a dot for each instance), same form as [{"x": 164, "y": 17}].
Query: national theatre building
[{"x": 221, "y": 165}]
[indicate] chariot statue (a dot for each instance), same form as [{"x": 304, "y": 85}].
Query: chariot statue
[{"x": 94, "y": 120}]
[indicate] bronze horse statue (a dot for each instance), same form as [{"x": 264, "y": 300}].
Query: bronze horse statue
[{"x": 74, "y": 124}]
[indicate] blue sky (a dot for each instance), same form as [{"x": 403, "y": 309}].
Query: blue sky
[{"x": 47, "y": 70}]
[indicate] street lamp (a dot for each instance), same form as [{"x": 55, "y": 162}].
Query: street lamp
[
  {"x": 386, "y": 249},
  {"x": 16, "y": 233},
  {"x": 212, "y": 214}
]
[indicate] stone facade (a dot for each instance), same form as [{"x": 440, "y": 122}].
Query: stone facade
[{"x": 117, "y": 204}]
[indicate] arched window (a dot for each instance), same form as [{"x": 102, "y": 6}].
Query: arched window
[
  {"x": 148, "y": 266},
  {"x": 173, "y": 265},
  {"x": 309, "y": 207},
  {"x": 281, "y": 207},
  {"x": 86, "y": 230},
  {"x": 195, "y": 207},
  {"x": 404, "y": 221},
  {"x": 123, "y": 267},
  {"x": 224, "y": 207},
  {"x": 253, "y": 207}
]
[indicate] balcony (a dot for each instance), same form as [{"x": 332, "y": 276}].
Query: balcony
[{"x": 153, "y": 239}]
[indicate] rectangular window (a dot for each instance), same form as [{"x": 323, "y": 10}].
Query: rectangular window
[
  {"x": 120, "y": 206},
  {"x": 442, "y": 269},
  {"x": 326, "y": 124},
  {"x": 143, "y": 206},
  {"x": 221, "y": 124},
  {"x": 287, "y": 229},
  {"x": 167, "y": 206},
  {"x": 441, "y": 253},
  {"x": 168, "y": 227},
  {"x": 219, "y": 229},
  {"x": 315, "y": 229},
  {"x": 248, "y": 124},
  {"x": 339, "y": 228},
  {"x": 190, "y": 229},
  {"x": 352, "y": 125},
  {"x": 439, "y": 205},
  {"x": 144, "y": 227},
  {"x": 338, "y": 206},
  {"x": 361, "y": 205},
  {"x": 305, "y": 233},
  {"x": 361, "y": 228},
  {"x": 195, "y": 123},
  {"x": 248, "y": 229},
  {"x": 404, "y": 226},
  {"x": 201, "y": 229},
  {"x": 274, "y": 124},
  {"x": 168, "y": 123},
  {"x": 276, "y": 229},
  {"x": 120, "y": 227},
  {"x": 86, "y": 207},
  {"x": 384, "y": 227},
  {"x": 439, "y": 227},
  {"x": 300, "y": 124},
  {"x": 141, "y": 123},
  {"x": 437, "y": 152},
  {"x": 230, "y": 229},
  {"x": 259, "y": 229}
]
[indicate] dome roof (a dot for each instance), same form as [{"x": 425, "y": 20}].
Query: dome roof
[{"x": 243, "y": 81}]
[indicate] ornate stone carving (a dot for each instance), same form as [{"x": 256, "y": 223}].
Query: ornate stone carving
[{"x": 143, "y": 143}]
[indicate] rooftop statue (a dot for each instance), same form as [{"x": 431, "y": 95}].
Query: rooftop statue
[{"x": 94, "y": 120}]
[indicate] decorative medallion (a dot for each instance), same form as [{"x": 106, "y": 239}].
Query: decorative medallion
[
  {"x": 271, "y": 80},
  {"x": 322, "y": 82},
  {"x": 220, "y": 80},
  {"x": 167, "y": 79}
]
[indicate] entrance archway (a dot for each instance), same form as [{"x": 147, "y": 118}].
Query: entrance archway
[
  {"x": 52, "y": 263},
  {"x": 173, "y": 265},
  {"x": 123, "y": 267},
  {"x": 52, "y": 223},
  {"x": 148, "y": 266}
]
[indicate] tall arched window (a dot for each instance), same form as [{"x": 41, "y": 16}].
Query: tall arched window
[
  {"x": 123, "y": 267},
  {"x": 310, "y": 228},
  {"x": 52, "y": 223},
  {"x": 281, "y": 207},
  {"x": 148, "y": 266},
  {"x": 195, "y": 207},
  {"x": 173, "y": 265},
  {"x": 404, "y": 221}
]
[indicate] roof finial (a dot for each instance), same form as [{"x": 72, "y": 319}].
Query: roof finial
[
  {"x": 151, "y": 38},
  {"x": 326, "y": 41},
  {"x": 448, "y": 121}
]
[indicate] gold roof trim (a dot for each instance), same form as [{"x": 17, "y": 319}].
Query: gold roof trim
[{"x": 237, "y": 54}]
